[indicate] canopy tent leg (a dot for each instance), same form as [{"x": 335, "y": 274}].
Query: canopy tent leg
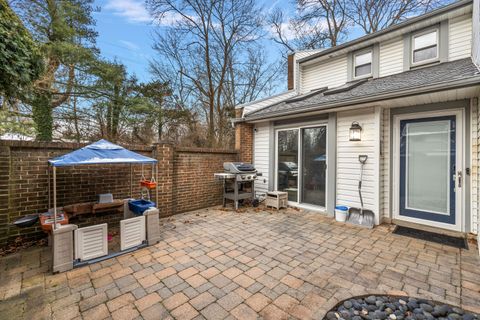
[
  {"x": 131, "y": 181},
  {"x": 156, "y": 189},
  {"x": 49, "y": 189},
  {"x": 54, "y": 198}
]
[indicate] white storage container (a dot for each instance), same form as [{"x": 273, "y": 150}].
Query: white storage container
[
  {"x": 105, "y": 198},
  {"x": 341, "y": 213}
]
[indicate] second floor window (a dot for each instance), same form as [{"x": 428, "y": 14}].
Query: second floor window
[
  {"x": 425, "y": 47},
  {"x": 363, "y": 64}
]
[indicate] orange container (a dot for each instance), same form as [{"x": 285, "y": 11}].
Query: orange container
[
  {"x": 148, "y": 184},
  {"x": 46, "y": 220}
]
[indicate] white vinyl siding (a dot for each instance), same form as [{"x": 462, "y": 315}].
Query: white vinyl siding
[
  {"x": 331, "y": 73},
  {"x": 460, "y": 38},
  {"x": 261, "y": 155},
  {"x": 391, "y": 57},
  {"x": 348, "y": 166},
  {"x": 476, "y": 35}
]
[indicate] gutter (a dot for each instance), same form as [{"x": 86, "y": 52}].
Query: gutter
[
  {"x": 406, "y": 23},
  {"x": 472, "y": 81}
]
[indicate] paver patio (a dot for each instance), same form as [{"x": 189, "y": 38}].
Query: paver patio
[{"x": 218, "y": 264}]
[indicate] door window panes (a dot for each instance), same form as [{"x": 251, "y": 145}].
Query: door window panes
[
  {"x": 428, "y": 166},
  {"x": 425, "y": 47},
  {"x": 363, "y": 64},
  {"x": 287, "y": 174},
  {"x": 314, "y": 165}
]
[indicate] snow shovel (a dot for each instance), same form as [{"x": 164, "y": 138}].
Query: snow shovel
[{"x": 360, "y": 216}]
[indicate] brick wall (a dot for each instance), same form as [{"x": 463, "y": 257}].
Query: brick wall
[
  {"x": 193, "y": 178},
  {"x": 244, "y": 139},
  {"x": 185, "y": 182}
]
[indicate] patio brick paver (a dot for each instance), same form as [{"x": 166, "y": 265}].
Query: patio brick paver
[{"x": 217, "y": 264}]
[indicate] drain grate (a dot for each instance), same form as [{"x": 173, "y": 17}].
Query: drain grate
[{"x": 460, "y": 243}]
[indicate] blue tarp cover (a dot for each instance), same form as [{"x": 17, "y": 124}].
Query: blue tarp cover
[{"x": 100, "y": 152}]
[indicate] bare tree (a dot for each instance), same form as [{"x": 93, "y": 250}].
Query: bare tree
[
  {"x": 328, "y": 16},
  {"x": 296, "y": 33},
  {"x": 327, "y": 23},
  {"x": 375, "y": 15},
  {"x": 211, "y": 55}
]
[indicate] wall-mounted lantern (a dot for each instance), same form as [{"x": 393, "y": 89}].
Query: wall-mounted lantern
[{"x": 355, "y": 132}]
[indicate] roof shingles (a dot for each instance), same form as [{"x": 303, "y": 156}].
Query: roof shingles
[{"x": 417, "y": 78}]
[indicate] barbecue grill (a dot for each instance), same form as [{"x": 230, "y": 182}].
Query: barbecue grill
[{"x": 238, "y": 181}]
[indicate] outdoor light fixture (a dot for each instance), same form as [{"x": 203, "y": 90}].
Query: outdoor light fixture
[{"x": 355, "y": 132}]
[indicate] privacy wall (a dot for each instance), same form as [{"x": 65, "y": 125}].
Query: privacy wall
[{"x": 185, "y": 181}]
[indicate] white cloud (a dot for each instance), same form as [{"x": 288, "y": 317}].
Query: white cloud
[
  {"x": 129, "y": 45},
  {"x": 133, "y": 10},
  {"x": 170, "y": 18},
  {"x": 286, "y": 30}
]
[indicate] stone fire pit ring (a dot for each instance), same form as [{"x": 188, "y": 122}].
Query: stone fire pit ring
[{"x": 385, "y": 307}]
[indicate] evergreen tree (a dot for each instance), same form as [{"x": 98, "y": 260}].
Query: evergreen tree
[{"x": 64, "y": 31}]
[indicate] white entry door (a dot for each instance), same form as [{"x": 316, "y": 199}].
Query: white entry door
[{"x": 429, "y": 169}]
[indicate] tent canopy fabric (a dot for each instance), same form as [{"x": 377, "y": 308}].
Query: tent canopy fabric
[{"x": 100, "y": 152}]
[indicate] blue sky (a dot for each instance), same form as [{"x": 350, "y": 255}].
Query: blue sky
[{"x": 125, "y": 33}]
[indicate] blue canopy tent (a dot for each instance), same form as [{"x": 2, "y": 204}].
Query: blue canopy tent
[{"x": 100, "y": 152}]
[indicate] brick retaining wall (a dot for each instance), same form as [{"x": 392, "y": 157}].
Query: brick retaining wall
[{"x": 185, "y": 181}]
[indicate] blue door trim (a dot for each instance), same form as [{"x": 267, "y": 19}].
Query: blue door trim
[{"x": 450, "y": 219}]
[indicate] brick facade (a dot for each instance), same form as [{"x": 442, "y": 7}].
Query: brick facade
[
  {"x": 185, "y": 182},
  {"x": 244, "y": 139}
]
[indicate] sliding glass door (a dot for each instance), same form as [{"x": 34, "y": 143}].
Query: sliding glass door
[
  {"x": 287, "y": 174},
  {"x": 302, "y": 163},
  {"x": 314, "y": 165}
]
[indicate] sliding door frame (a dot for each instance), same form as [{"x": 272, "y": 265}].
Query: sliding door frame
[{"x": 299, "y": 128}]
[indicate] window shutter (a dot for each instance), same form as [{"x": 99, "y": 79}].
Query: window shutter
[
  {"x": 91, "y": 242},
  {"x": 132, "y": 232}
]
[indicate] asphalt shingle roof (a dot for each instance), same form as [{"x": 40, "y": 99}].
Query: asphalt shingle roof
[{"x": 442, "y": 73}]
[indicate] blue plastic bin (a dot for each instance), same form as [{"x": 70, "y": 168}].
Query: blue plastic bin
[{"x": 139, "y": 206}]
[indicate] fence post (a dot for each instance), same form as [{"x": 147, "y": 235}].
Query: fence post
[{"x": 165, "y": 154}]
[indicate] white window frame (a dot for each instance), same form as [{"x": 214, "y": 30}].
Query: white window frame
[
  {"x": 412, "y": 47},
  {"x": 358, "y": 53}
]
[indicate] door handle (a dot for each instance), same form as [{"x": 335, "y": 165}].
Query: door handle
[{"x": 459, "y": 176}]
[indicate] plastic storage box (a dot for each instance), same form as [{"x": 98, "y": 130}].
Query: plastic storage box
[
  {"x": 341, "y": 213},
  {"x": 138, "y": 207},
  {"x": 105, "y": 198},
  {"x": 276, "y": 199}
]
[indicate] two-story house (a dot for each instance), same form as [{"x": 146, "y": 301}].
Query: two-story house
[{"x": 407, "y": 97}]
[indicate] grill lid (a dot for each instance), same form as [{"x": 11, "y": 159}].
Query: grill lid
[{"x": 238, "y": 167}]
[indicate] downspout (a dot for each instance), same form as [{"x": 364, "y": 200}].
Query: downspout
[{"x": 54, "y": 198}]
